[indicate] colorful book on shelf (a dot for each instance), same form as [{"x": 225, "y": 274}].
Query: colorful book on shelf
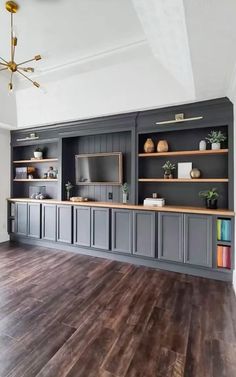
[
  {"x": 220, "y": 256},
  {"x": 219, "y": 229},
  {"x": 224, "y": 230},
  {"x": 224, "y": 257}
]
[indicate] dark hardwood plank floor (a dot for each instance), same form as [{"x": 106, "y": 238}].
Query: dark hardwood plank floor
[{"x": 65, "y": 315}]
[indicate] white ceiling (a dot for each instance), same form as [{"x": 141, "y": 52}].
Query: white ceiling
[
  {"x": 70, "y": 30},
  {"x": 194, "y": 40}
]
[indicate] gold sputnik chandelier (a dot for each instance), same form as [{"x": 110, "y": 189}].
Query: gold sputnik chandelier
[{"x": 11, "y": 65}]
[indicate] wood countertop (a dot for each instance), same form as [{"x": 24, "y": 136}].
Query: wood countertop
[{"x": 179, "y": 209}]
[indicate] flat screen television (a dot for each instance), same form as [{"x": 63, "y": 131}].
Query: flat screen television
[{"x": 99, "y": 168}]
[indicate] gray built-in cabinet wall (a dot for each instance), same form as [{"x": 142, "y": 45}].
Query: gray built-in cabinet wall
[{"x": 181, "y": 240}]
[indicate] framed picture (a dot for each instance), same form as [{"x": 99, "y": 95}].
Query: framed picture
[{"x": 184, "y": 170}]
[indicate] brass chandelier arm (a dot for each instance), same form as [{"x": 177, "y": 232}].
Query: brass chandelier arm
[
  {"x": 27, "y": 61},
  {"x": 13, "y": 53},
  {"x": 12, "y": 46},
  {"x": 26, "y": 69},
  {"x": 10, "y": 85},
  {"x": 36, "y": 58},
  {"x": 11, "y": 65},
  {"x": 3, "y": 60},
  {"x": 33, "y": 82}
]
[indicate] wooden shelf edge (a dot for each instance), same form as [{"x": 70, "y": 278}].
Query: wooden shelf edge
[
  {"x": 178, "y": 209},
  {"x": 179, "y": 180},
  {"x": 44, "y": 160},
  {"x": 185, "y": 153},
  {"x": 35, "y": 180}
]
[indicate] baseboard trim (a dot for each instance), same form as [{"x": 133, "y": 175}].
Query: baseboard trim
[{"x": 4, "y": 237}]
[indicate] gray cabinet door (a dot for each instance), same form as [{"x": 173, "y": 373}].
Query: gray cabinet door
[
  {"x": 49, "y": 230},
  {"x": 82, "y": 228},
  {"x": 122, "y": 230},
  {"x": 21, "y": 219},
  {"x": 64, "y": 223},
  {"x": 198, "y": 240},
  {"x": 144, "y": 233},
  {"x": 34, "y": 220},
  {"x": 100, "y": 228},
  {"x": 170, "y": 236}
]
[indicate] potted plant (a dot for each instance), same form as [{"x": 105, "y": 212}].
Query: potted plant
[
  {"x": 125, "y": 191},
  {"x": 169, "y": 168},
  {"x": 215, "y": 138},
  {"x": 38, "y": 153},
  {"x": 68, "y": 187},
  {"x": 210, "y": 197}
]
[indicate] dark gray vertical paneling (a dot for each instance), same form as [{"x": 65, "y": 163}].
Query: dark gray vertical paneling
[{"x": 114, "y": 142}]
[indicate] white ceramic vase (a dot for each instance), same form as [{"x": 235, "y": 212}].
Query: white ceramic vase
[
  {"x": 202, "y": 145},
  {"x": 38, "y": 155},
  {"x": 125, "y": 198},
  {"x": 215, "y": 146}
]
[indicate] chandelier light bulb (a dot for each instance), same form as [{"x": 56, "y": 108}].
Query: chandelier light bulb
[{"x": 11, "y": 65}]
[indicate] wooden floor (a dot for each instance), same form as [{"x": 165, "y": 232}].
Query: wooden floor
[{"x": 62, "y": 314}]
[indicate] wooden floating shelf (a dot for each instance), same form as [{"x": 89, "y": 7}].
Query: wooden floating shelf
[
  {"x": 186, "y": 153},
  {"x": 35, "y": 161},
  {"x": 180, "y": 180},
  {"x": 36, "y": 180}
]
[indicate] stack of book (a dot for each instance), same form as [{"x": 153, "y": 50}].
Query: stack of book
[
  {"x": 22, "y": 173},
  {"x": 154, "y": 202},
  {"x": 224, "y": 230},
  {"x": 224, "y": 257}
]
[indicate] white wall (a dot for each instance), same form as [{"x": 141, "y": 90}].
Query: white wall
[
  {"x": 8, "y": 116},
  {"x": 5, "y": 181},
  {"x": 119, "y": 82},
  {"x": 232, "y": 95}
]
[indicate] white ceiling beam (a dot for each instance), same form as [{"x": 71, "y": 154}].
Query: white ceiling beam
[{"x": 165, "y": 27}]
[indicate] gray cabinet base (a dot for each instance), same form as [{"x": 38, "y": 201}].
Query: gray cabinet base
[{"x": 154, "y": 263}]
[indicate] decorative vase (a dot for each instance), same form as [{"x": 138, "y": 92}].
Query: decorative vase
[
  {"x": 162, "y": 146},
  {"x": 195, "y": 173},
  {"x": 215, "y": 146},
  {"x": 211, "y": 203},
  {"x": 149, "y": 146},
  {"x": 125, "y": 197},
  {"x": 68, "y": 195},
  {"x": 38, "y": 155},
  {"x": 202, "y": 145}
]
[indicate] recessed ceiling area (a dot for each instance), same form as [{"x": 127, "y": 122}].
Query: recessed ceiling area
[{"x": 109, "y": 56}]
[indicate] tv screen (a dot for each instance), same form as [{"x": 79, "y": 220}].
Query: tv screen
[{"x": 99, "y": 168}]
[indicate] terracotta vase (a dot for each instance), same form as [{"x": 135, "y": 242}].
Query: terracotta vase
[
  {"x": 162, "y": 146},
  {"x": 149, "y": 146}
]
